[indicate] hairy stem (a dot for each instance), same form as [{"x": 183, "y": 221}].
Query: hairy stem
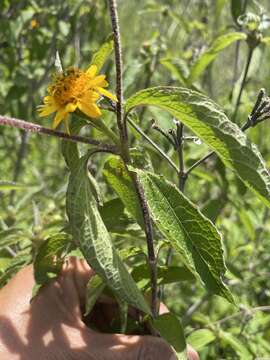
[
  {"x": 119, "y": 74},
  {"x": 181, "y": 174},
  {"x": 121, "y": 122},
  {"x": 30, "y": 127}
]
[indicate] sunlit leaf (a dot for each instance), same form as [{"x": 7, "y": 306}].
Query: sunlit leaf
[
  {"x": 210, "y": 123},
  {"x": 191, "y": 234},
  {"x": 103, "y": 53},
  {"x": 198, "y": 339},
  {"x": 119, "y": 179},
  {"x": 211, "y": 53}
]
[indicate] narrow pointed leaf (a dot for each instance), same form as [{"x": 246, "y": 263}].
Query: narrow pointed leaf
[
  {"x": 219, "y": 44},
  {"x": 119, "y": 179},
  {"x": 191, "y": 234},
  {"x": 210, "y": 123},
  {"x": 103, "y": 53},
  {"x": 94, "y": 241}
]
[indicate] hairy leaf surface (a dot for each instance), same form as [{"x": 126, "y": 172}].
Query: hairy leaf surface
[
  {"x": 210, "y": 123},
  {"x": 94, "y": 240},
  {"x": 192, "y": 235},
  {"x": 119, "y": 179}
]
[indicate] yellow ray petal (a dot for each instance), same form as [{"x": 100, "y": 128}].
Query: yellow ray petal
[
  {"x": 49, "y": 100},
  {"x": 60, "y": 115},
  {"x": 92, "y": 70},
  {"x": 45, "y": 110},
  {"x": 106, "y": 93},
  {"x": 97, "y": 81},
  {"x": 91, "y": 110},
  {"x": 90, "y": 96},
  {"x": 70, "y": 107}
]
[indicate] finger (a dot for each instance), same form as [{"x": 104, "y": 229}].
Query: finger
[
  {"x": 119, "y": 347},
  {"x": 192, "y": 354},
  {"x": 73, "y": 280}
]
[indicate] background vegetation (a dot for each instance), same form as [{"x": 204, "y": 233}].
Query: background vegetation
[{"x": 161, "y": 41}]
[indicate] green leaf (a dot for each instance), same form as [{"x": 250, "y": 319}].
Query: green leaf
[
  {"x": 48, "y": 261},
  {"x": 69, "y": 149},
  {"x": 130, "y": 251},
  {"x": 21, "y": 259},
  {"x": 165, "y": 275},
  {"x": 192, "y": 235},
  {"x": 94, "y": 289},
  {"x": 236, "y": 344},
  {"x": 177, "y": 69},
  {"x": 219, "y": 44},
  {"x": 10, "y": 185},
  {"x": 120, "y": 221},
  {"x": 9, "y": 237},
  {"x": 94, "y": 241},
  {"x": 266, "y": 40},
  {"x": 236, "y": 9},
  {"x": 209, "y": 122},
  {"x": 119, "y": 179},
  {"x": 103, "y": 53},
  {"x": 170, "y": 328},
  {"x": 198, "y": 339}
]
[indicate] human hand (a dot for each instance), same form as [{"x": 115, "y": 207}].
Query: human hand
[{"x": 51, "y": 326}]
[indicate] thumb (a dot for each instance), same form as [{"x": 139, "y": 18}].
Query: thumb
[{"x": 125, "y": 347}]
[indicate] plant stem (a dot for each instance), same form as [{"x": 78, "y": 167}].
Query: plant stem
[
  {"x": 119, "y": 75},
  {"x": 30, "y": 127},
  {"x": 147, "y": 138},
  {"x": 121, "y": 122},
  {"x": 182, "y": 174},
  {"x": 250, "y": 53},
  {"x": 197, "y": 163}
]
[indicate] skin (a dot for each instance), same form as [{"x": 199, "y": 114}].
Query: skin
[{"x": 51, "y": 326}]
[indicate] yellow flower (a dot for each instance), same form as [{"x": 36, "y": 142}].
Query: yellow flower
[
  {"x": 34, "y": 24},
  {"x": 75, "y": 89}
]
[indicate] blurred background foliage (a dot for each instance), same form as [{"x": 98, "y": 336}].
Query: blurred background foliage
[{"x": 161, "y": 41}]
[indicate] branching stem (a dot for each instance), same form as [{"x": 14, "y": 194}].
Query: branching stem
[
  {"x": 30, "y": 127},
  {"x": 150, "y": 141}
]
